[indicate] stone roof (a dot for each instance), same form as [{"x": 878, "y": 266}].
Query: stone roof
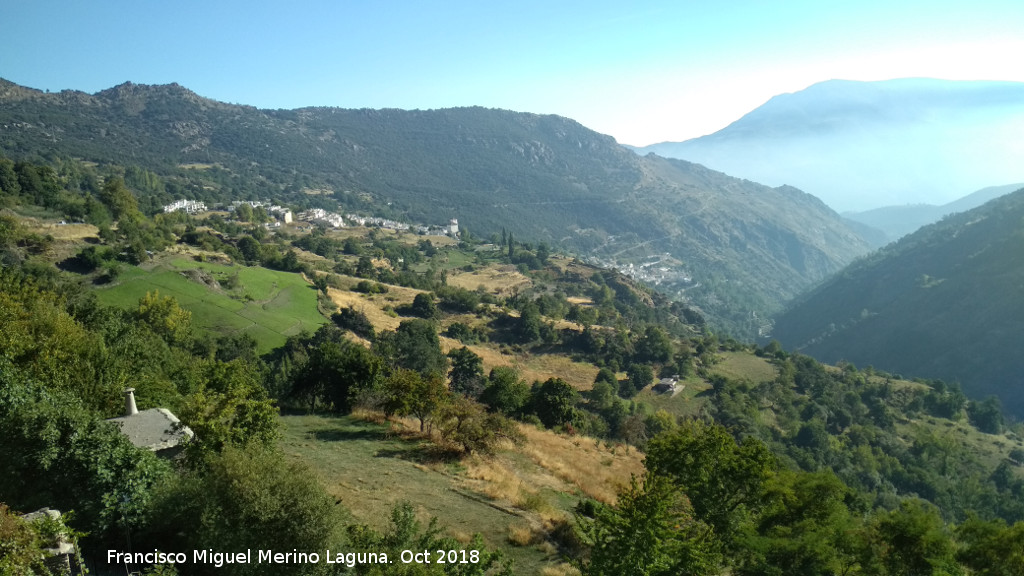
[{"x": 154, "y": 429}]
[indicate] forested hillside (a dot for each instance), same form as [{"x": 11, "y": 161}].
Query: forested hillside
[
  {"x": 513, "y": 384},
  {"x": 944, "y": 302},
  {"x": 735, "y": 249}
]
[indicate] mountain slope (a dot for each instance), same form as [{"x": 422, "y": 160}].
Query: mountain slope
[
  {"x": 944, "y": 302},
  {"x": 738, "y": 249},
  {"x": 898, "y": 221},
  {"x": 862, "y": 145}
]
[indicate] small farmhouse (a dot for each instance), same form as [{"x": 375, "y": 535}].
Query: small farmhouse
[{"x": 156, "y": 429}]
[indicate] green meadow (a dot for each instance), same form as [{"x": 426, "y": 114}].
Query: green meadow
[{"x": 267, "y": 304}]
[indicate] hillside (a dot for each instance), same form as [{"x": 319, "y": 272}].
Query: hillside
[
  {"x": 411, "y": 404},
  {"x": 735, "y": 249},
  {"x": 943, "y": 302},
  {"x": 864, "y": 145},
  {"x": 898, "y": 221}
]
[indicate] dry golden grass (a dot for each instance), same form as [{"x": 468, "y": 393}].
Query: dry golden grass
[
  {"x": 362, "y": 302},
  {"x": 62, "y": 232},
  {"x": 531, "y": 366},
  {"x": 563, "y": 569},
  {"x": 373, "y": 304},
  {"x": 521, "y": 535},
  {"x": 597, "y": 471},
  {"x": 580, "y": 300},
  {"x": 495, "y": 279}
]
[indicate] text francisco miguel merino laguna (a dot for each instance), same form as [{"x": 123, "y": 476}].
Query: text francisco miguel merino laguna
[{"x": 349, "y": 559}]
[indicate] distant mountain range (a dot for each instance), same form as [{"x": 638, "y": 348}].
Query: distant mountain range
[
  {"x": 735, "y": 249},
  {"x": 944, "y": 302},
  {"x": 864, "y": 145},
  {"x": 898, "y": 221}
]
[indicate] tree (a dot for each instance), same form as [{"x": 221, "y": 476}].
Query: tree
[
  {"x": 725, "y": 481},
  {"x": 349, "y": 318},
  {"x": 467, "y": 373},
  {"x": 986, "y": 415},
  {"x": 407, "y": 393},
  {"x": 423, "y": 306},
  {"x": 251, "y": 498},
  {"x": 169, "y": 320},
  {"x": 529, "y": 323},
  {"x": 243, "y": 212},
  {"x": 654, "y": 346},
  {"x": 22, "y": 549},
  {"x": 505, "y": 392},
  {"x": 465, "y": 423},
  {"x": 230, "y": 408},
  {"x": 640, "y": 376},
  {"x": 911, "y": 540},
  {"x": 119, "y": 199},
  {"x": 250, "y": 248},
  {"x": 554, "y": 402},
  {"x": 417, "y": 347},
  {"x": 991, "y": 548},
  {"x": 9, "y": 185},
  {"x": 649, "y": 532}
]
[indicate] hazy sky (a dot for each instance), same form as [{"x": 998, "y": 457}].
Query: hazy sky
[{"x": 643, "y": 72}]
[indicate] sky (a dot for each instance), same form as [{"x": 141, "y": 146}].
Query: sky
[{"x": 641, "y": 71}]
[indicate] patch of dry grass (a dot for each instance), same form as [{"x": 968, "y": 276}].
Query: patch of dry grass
[
  {"x": 521, "y": 535},
  {"x": 597, "y": 471},
  {"x": 495, "y": 280}
]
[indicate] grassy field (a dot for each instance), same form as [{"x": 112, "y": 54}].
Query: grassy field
[
  {"x": 512, "y": 499},
  {"x": 267, "y": 304},
  {"x": 744, "y": 366}
]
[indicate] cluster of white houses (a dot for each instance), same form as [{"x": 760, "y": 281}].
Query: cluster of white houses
[
  {"x": 319, "y": 216},
  {"x": 190, "y": 206}
]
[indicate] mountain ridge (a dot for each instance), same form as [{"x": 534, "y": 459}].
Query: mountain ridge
[
  {"x": 862, "y": 145},
  {"x": 542, "y": 177},
  {"x": 943, "y": 302}
]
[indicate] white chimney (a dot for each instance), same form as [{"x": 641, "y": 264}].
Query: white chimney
[{"x": 129, "y": 402}]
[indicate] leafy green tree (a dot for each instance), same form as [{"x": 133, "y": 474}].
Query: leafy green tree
[
  {"x": 119, "y": 199},
  {"x": 805, "y": 529},
  {"x": 554, "y": 402},
  {"x": 169, "y": 320},
  {"x": 649, "y": 532},
  {"x": 423, "y": 306},
  {"x": 364, "y": 268},
  {"x": 229, "y": 407},
  {"x": 986, "y": 415},
  {"x": 349, "y": 318},
  {"x": 408, "y": 393},
  {"x": 417, "y": 347},
  {"x": 244, "y": 213},
  {"x": 654, "y": 346},
  {"x": 244, "y": 498},
  {"x": 56, "y": 453},
  {"x": 991, "y": 548},
  {"x": 640, "y": 376},
  {"x": 250, "y": 248},
  {"x": 407, "y": 533},
  {"x": 467, "y": 372},
  {"x": 910, "y": 540},
  {"x": 9, "y": 185},
  {"x": 529, "y": 323},
  {"x": 725, "y": 481},
  {"x": 467, "y": 424},
  {"x": 22, "y": 549},
  {"x": 505, "y": 392}
]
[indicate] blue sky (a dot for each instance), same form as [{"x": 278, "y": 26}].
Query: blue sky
[{"x": 643, "y": 72}]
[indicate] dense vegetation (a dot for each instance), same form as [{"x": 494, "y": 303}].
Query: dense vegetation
[
  {"x": 943, "y": 302},
  {"x": 745, "y": 248},
  {"x": 816, "y": 470}
]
